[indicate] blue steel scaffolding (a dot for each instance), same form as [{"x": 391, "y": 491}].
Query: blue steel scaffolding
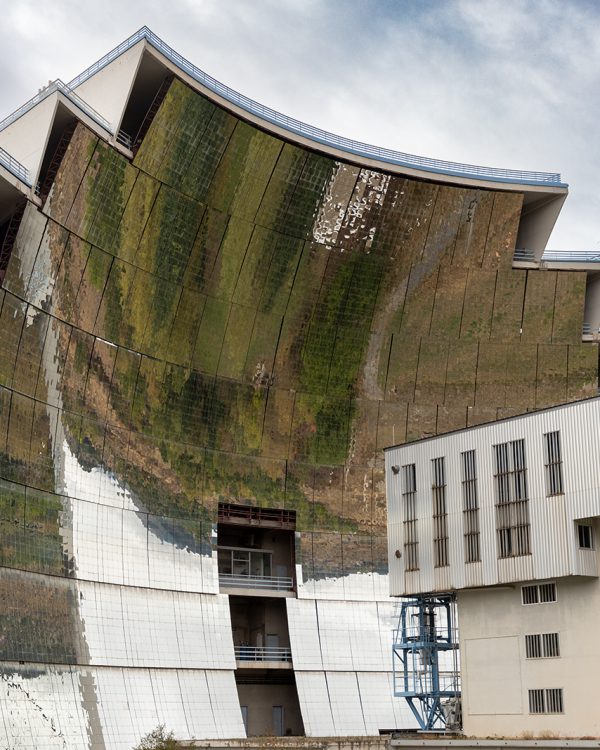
[{"x": 425, "y": 660}]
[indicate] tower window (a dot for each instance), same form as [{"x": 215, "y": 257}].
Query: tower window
[
  {"x": 512, "y": 511},
  {"x": 546, "y": 701},
  {"x": 470, "y": 506},
  {"x": 584, "y": 536},
  {"x": 542, "y": 646},
  {"x": 542, "y": 593},
  {"x": 553, "y": 464},
  {"x": 409, "y": 503},
  {"x": 547, "y": 592},
  {"x": 440, "y": 514}
]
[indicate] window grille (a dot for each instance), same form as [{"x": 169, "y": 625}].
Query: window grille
[
  {"x": 554, "y": 700},
  {"x": 553, "y": 463},
  {"x": 542, "y": 646},
  {"x": 512, "y": 512},
  {"x": 584, "y": 536},
  {"x": 409, "y": 502},
  {"x": 530, "y": 595},
  {"x": 533, "y": 646},
  {"x": 470, "y": 507},
  {"x": 547, "y": 592},
  {"x": 537, "y": 704},
  {"x": 440, "y": 515},
  {"x": 546, "y": 701},
  {"x": 550, "y": 645},
  {"x": 542, "y": 593}
]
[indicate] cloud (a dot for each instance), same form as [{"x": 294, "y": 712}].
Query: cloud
[{"x": 511, "y": 84}]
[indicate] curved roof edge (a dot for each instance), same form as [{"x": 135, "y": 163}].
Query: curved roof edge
[{"x": 271, "y": 117}]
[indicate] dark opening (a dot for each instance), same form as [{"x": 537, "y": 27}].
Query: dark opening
[
  {"x": 148, "y": 91},
  {"x": 9, "y": 229},
  {"x": 60, "y": 136},
  {"x": 256, "y": 548}
]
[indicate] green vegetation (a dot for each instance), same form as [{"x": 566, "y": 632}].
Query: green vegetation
[
  {"x": 252, "y": 337},
  {"x": 159, "y": 739}
]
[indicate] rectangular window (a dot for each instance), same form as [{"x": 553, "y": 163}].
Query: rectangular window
[
  {"x": 542, "y": 593},
  {"x": 533, "y": 646},
  {"x": 440, "y": 515},
  {"x": 547, "y": 592},
  {"x": 537, "y": 704},
  {"x": 512, "y": 512},
  {"x": 409, "y": 502},
  {"x": 584, "y": 536},
  {"x": 554, "y": 700},
  {"x": 542, "y": 646},
  {"x": 530, "y": 595},
  {"x": 546, "y": 701},
  {"x": 470, "y": 507},
  {"x": 550, "y": 645},
  {"x": 553, "y": 463}
]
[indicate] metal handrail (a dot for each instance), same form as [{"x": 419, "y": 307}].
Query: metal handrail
[
  {"x": 298, "y": 127},
  {"x": 263, "y": 653},
  {"x": 524, "y": 255},
  {"x": 347, "y": 144},
  {"x": 571, "y": 256},
  {"x": 14, "y": 167},
  {"x": 67, "y": 91},
  {"x": 280, "y": 583},
  {"x": 124, "y": 139}
]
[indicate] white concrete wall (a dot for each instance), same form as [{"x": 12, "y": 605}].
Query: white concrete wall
[
  {"x": 496, "y": 675},
  {"x": 26, "y": 138},
  {"x": 108, "y": 90}
]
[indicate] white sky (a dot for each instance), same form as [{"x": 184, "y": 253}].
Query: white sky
[{"x": 504, "y": 83}]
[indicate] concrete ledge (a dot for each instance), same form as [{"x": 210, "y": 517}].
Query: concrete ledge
[
  {"x": 303, "y": 743},
  {"x": 473, "y": 742},
  {"x": 386, "y": 743},
  {"x": 225, "y": 588},
  {"x": 266, "y": 664}
]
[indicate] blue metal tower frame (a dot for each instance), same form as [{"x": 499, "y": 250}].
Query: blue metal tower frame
[{"x": 425, "y": 655}]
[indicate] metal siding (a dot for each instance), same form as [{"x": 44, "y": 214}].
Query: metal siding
[
  {"x": 553, "y": 541},
  {"x": 587, "y": 562},
  {"x": 551, "y": 538}
]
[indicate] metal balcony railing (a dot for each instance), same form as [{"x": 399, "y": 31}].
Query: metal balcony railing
[
  {"x": 255, "y": 516},
  {"x": 124, "y": 139},
  {"x": 524, "y": 255},
  {"x": 571, "y": 256},
  {"x": 568, "y": 257},
  {"x": 67, "y": 91},
  {"x": 290, "y": 124},
  {"x": 14, "y": 167},
  {"x": 263, "y": 653},
  {"x": 256, "y": 582}
]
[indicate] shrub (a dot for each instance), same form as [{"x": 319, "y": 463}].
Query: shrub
[{"x": 159, "y": 739}]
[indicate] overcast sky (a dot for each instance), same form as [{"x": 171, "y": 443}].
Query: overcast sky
[{"x": 504, "y": 83}]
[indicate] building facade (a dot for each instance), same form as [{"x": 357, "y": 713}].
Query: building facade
[
  {"x": 212, "y": 320},
  {"x": 514, "y": 534}
]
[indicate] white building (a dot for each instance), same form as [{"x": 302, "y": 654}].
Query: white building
[{"x": 506, "y": 515}]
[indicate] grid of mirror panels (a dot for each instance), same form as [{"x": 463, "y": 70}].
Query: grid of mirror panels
[
  {"x": 61, "y": 706},
  {"x": 228, "y": 317},
  {"x": 350, "y": 703}
]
